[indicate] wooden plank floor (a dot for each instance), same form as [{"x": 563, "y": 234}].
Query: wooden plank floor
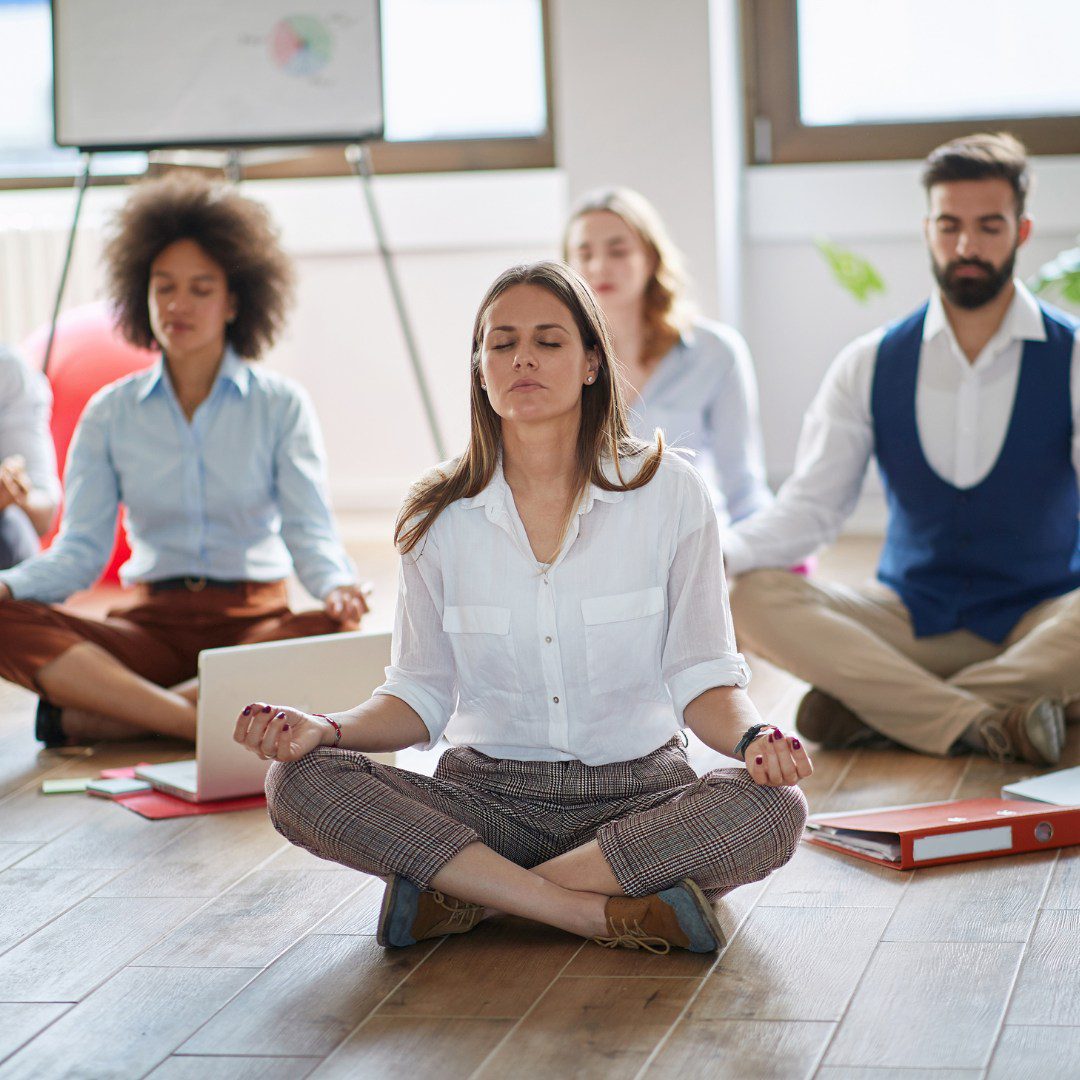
[{"x": 208, "y": 948}]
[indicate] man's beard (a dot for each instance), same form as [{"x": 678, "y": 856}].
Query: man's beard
[{"x": 973, "y": 292}]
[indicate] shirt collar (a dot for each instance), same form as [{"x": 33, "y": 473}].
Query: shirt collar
[
  {"x": 1023, "y": 320},
  {"x": 232, "y": 370},
  {"x": 494, "y": 496}
]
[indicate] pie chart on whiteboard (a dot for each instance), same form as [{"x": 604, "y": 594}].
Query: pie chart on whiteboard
[{"x": 301, "y": 45}]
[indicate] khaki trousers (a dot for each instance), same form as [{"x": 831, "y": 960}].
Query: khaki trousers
[{"x": 857, "y": 644}]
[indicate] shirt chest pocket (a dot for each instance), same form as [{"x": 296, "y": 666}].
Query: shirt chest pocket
[
  {"x": 483, "y": 649},
  {"x": 623, "y": 638}
]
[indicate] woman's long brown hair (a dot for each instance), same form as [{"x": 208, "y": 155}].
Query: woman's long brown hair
[{"x": 604, "y": 431}]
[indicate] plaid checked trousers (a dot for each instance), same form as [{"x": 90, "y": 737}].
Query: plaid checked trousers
[{"x": 655, "y": 819}]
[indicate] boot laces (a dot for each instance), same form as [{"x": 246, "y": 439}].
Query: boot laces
[
  {"x": 999, "y": 744},
  {"x": 630, "y": 935},
  {"x": 460, "y": 911}
]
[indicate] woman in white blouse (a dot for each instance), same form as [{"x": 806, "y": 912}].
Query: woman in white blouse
[
  {"x": 562, "y": 614},
  {"x": 692, "y": 378}
]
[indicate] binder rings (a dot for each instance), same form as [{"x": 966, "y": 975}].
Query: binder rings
[{"x": 928, "y": 834}]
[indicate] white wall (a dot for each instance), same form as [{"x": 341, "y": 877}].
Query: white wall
[{"x": 634, "y": 107}]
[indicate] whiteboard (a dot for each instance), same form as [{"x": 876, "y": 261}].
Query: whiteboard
[{"x": 149, "y": 74}]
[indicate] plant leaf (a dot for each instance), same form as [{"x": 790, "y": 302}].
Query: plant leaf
[{"x": 852, "y": 272}]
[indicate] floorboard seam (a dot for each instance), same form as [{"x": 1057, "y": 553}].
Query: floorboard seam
[
  {"x": 382, "y": 1001},
  {"x": 869, "y": 960},
  {"x": 521, "y": 1019},
  {"x": 1020, "y": 964}
]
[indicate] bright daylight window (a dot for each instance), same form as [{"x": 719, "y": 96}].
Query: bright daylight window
[
  {"x": 467, "y": 77},
  {"x": 842, "y": 80},
  {"x": 914, "y": 60}
]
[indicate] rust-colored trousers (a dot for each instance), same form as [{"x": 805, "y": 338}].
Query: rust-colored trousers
[{"x": 160, "y": 637}]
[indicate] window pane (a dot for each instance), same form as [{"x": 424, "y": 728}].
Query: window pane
[
  {"x": 26, "y": 146},
  {"x": 463, "y": 69},
  {"x": 896, "y": 61}
]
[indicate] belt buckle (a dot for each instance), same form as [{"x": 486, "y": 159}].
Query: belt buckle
[{"x": 194, "y": 584}]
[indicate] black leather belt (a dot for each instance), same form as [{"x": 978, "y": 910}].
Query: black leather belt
[{"x": 193, "y": 584}]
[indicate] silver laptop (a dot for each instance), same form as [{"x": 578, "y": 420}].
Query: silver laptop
[{"x": 325, "y": 674}]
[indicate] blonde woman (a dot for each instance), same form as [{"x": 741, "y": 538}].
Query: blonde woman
[
  {"x": 562, "y": 615},
  {"x": 692, "y": 378}
]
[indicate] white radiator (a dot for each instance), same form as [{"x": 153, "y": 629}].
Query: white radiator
[{"x": 30, "y": 263}]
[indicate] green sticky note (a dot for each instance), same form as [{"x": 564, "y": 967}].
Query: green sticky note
[{"x": 69, "y": 785}]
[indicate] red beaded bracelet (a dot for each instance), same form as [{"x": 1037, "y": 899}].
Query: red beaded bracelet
[{"x": 337, "y": 726}]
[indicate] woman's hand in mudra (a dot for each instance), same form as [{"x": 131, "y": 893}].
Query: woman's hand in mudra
[
  {"x": 775, "y": 759},
  {"x": 279, "y": 733},
  {"x": 348, "y": 604}
]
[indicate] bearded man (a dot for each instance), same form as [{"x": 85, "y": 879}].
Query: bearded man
[{"x": 970, "y": 637}]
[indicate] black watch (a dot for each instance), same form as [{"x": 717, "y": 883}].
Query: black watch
[{"x": 749, "y": 735}]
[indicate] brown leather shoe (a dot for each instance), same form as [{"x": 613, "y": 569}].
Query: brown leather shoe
[
  {"x": 680, "y": 918},
  {"x": 410, "y": 914},
  {"x": 1034, "y": 732},
  {"x": 833, "y": 726}
]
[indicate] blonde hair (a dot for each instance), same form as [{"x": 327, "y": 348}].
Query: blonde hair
[
  {"x": 667, "y": 310},
  {"x": 604, "y": 430}
]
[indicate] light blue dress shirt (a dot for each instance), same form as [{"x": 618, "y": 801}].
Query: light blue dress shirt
[
  {"x": 237, "y": 493},
  {"x": 703, "y": 396}
]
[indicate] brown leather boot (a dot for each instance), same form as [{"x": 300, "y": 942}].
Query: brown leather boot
[
  {"x": 680, "y": 918},
  {"x": 833, "y": 726},
  {"x": 1034, "y": 732},
  {"x": 410, "y": 914}
]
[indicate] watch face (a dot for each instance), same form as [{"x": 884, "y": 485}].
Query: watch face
[{"x": 1044, "y": 831}]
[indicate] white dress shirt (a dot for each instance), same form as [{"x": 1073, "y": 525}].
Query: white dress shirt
[
  {"x": 595, "y": 658},
  {"x": 962, "y": 411},
  {"x": 25, "y": 406}
]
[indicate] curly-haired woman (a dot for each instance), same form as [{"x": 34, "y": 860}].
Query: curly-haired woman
[
  {"x": 218, "y": 464},
  {"x": 562, "y": 617}
]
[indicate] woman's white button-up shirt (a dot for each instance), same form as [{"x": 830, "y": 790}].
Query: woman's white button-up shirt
[{"x": 595, "y": 658}]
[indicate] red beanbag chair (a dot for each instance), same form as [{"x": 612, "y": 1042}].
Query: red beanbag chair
[{"x": 87, "y": 354}]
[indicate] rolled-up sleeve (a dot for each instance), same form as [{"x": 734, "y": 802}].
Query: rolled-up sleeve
[
  {"x": 422, "y": 672},
  {"x": 91, "y": 500},
  {"x": 307, "y": 522},
  {"x": 700, "y": 650}
]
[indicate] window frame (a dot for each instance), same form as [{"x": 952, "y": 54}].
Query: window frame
[
  {"x": 775, "y": 134},
  {"x": 388, "y": 158}
]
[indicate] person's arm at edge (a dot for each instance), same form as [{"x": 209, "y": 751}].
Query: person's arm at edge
[
  {"x": 834, "y": 450},
  {"x": 24, "y": 433},
  {"x": 1075, "y": 387},
  {"x": 82, "y": 547}
]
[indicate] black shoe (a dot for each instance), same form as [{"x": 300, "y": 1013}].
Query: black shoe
[
  {"x": 833, "y": 726},
  {"x": 47, "y": 726}
]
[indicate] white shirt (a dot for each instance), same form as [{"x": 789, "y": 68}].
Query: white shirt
[
  {"x": 594, "y": 659},
  {"x": 25, "y": 405},
  {"x": 962, "y": 412}
]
